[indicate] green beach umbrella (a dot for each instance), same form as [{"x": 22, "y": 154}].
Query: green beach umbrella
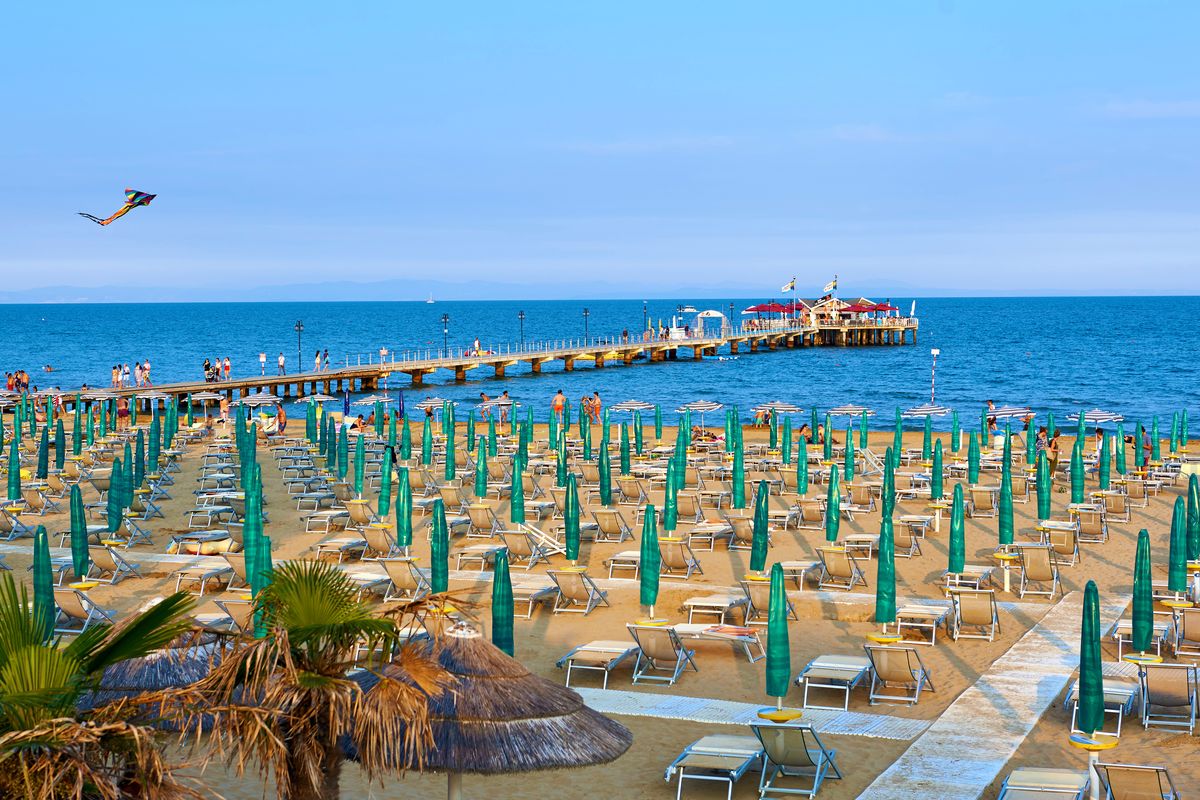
[
  {"x": 583, "y": 422},
  {"x": 759, "y": 540},
  {"x": 383, "y": 506},
  {"x": 937, "y": 475},
  {"x": 43, "y": 584},
  {"x": 958, "y": 556},
  {"x": 1177, "y": 577},
  {"x": 1007, "y": 443},
  {"x": 828, "y": 454},
  {"x": 888, "y": 491},
  {"x": 885, "y": 574},
  {"x": 502, "y": 604},
  {"x": 658, "y": 423},
  {"x": 955, "y": 433},
  {"x": 813, "y": 420},
  {"x": 323, "y": 436},
  {"x": 863, "y": 440},
  {"x": 76, "y": 431},
  {"x": 91, "y": 427},
  {"x": 625, "y": 461},
  {"x": 1077, "y": 486},
  {"x": 848, "y": 461},
  {"x": 552, "y": 431},
  {"x": 973, "y": 460},
  {"x": 360, "y": 463},
  {"x": 1143, "y": 597},
  {"x": 391, "y": 437},
  {"x": 605, "y": 478},
  {"x": 471, "y": 431},
  {"x": 1043, "y": 486},
  {"x": 1090, "y": 714},
  {"x": 450, "y": 465},
  {"x": 833, "y": 507},
  {"x": 586, "y": 424},
  {"x": 404, "y": 507},
  {"x": 773, "y": 431},
  {"x": 1121, "y": 463},
  {"x": 1051, "y": 428},
  {"x": 191, "y": 418},
  {"x": 115, "y": 496},
  {"x": 310, "y": 422},
  {"x": 739, "y": 476},
  {"x": 103, "y": 420},
  {"x": 1183, "y": 428},
  {"x": 1105, "y": 468},
  {"x": 14, "y": 472},
  {"x": 252, "y": 529},
  {"x": 786, "y": 445},
  {"x": 60, "y": 445},
  {"x": 491, "y": 437},
  {"x": 571, "y": 520},
  {"x": 560, "y": 468},
  {"x": 516, "y": 493},
  {"x": 729, "y": 430},
  {"x": 427, "y": 443},
  {"x": 927, "y": 439},
  {"x": 1155, "y": 441},
  {"x": 343, "y": 453},
  {"x": 1193, "y": 518},
  {"x": 779, "y": 649},
  {"x": 802, "y": 468},
  {"x": 1081, "y": 426},
  {"x": 650, "y": 563},
  {"x": 1031, "y": 446},
  {"x": 1004, "y": 513},
  {"x": 139, "y": 461},
  {"x": 983, "y": 425},
  {"x": 406, "y": 440},
  {"x": 481, "y": 469},
  {"x": 439, "y": 559},
  {"x": 43, "y": 455},
  {"x": 898, "y": 439},
  {"x": 80, "y": 561},
  {"x": 154, "y": 449},
  {"x": 638, "y": 434},
  {"x": 1174, "y": 432}
]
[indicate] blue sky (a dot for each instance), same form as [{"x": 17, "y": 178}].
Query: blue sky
[{"x": 915, "y": 147}]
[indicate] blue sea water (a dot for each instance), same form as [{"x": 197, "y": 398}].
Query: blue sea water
[{"x": 1134, "y": 355}]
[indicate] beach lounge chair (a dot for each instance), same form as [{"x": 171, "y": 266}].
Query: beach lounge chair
[
  {"x": 240, "y": 614},
  {"x": 976, "y": 615},
  {"x": 38, "y": 502},
  {"x": 676, "y": 557},
  {"x": 484, "y": 523},
  {"x": 718, "y": 604},
  {"x": 611, "y": 525},
  {"x": 532, "y": 593},
  {"x": 758, "y": 599},
  {"x": 237, "y": 563},
  {"x": 360, "y": 513},
  {"x": 982, "y": 502},
  {"x": 406, "y": 581},
  {"x": 341, "y": 546},
  {"x": 839, "y": 570},
  {"x": 1135, "y": 491},
  {"x": 810, "y": 514},
  {"x": 1120, "y": 695},
  {"x": 925, "y": 617},
  {"x": 481, "y": 553},
  {"x": 793, "y": 751},
  {"x": 369, "y": 582},
  {"x": 742, "y": 532},
  {"x": 577, "y": 592},
  {"x": 200, "y": 575},
  {"x": 1093, "y": 529},
  {"x": 719, "y": 757},
  {"x": 522, "y": 549},
  {"x": 1169, "y": 696},
  {"x": 862, "y": 501},
  {"x": 325, "y": 520},
  {"x": 834, "y": 672},
  {"x": 688, "y": 506},
  {"x": 381, "y": 542},
  {"x": 799, "y": 571},
  {"x": 717, "y": 493},
  {"x": 1116, "y": 507},
  {"x": 454, "y": 499},
  {"x": 632, "y": 491},
  {"x": 897, "y": 668},
  {"x": 1038, "y": 567},
  {"x": 1186, "y": 642},
  {"x": 904, "y": 541},
  {"x": 624, "y": 561},
  {"x": 1044, "y": 783},
  {"x": 1065, "y": 544},
  {"x": 109, "y": 566},
  {"x": 599, "y": 656},
  {"x": 1136, "y": 782},
  {"x": 660, "y": 651},
  {"x": 77, "y": 612}
]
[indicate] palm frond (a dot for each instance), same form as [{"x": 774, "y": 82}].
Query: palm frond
[
  {"x": 149, "y": 630},
  {"x": 37, "y": 683},
  {"x": 19, "y": 626}
]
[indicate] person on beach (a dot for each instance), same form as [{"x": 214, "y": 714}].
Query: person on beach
[
  {"x": 820, "y": 437},
  {"x": 207, "y": 369},
  {"x": 282, "y": 364},
  {"x": 806, "y": 433},
  {"x": 1147, "y": 448},
  {"x": 484, "y": 408},
  {"x": 1099, "y": 440},
  {"x": 1052, "y": 452},
  {"x": 122, "y": 412},
  {"x": 224, "y": 408},
  {"x": 558, "y": 404},
  {"x": 228, "y": 368},
  {"x": 1042, "y": 442},
  {"x": 597, "y": 406},
  {"x": 991, "y": 420},
  {"x": 116, "y": 377},
  {"x": 505, "y": 402}
]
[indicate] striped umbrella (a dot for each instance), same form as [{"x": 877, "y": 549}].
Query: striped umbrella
[
  {"x": 439, "y": 546},
  {"x": 383, "y": 506},
  {"x": 885, "y": 575},
  {"x": 779, "y": 650},
  {"x": 937, "y": 476},
  {"x": 1077, "y": 485},
  {"x": 631, "y": 405},
  {"x": 1177, "y": 577},
  {"x": 404, "y": 507},
  {"x": 1090, "y": 713},
  {"x": 1006, "y": 412},
  {"x": 927, "y": 410},
  {"x": 80, "y": 560},
  {"x": 502, "y": 604},
  {"x": 802, "y": 468},
  {"x": 571, "y": 520},
  {"x": 957, "y": 560},
  {"x": 43, "y": 584},
  {"x": 760, "y": 540},
  {"x": 1143, "y": 597},
  {"x": 777, "y": 406},
  {"x": 833, "y": 509},
  {"x": 516, "y": 495},
  {"x": 1193, "y": 518},
  {"x": 1094, "y": 417},
  {"x": 650, "y": 562},
  {"x": 848, "y": 410}
]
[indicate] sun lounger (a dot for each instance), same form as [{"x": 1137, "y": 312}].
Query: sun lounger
[
  {"x": 1044, "y": 783},
  {"x": 1136, "y": 782},
  {"x": 834, "y": 672},
  {"x": 791, "y": 751},
  {"x": 675, "y": 557},
  {"x": 109, "y": 566},
  {"x": 923, "y": 617},
  {"x": 976, "y": 615},
  {"x": 799, "y": 571},
  {"x": 325, "y": 521},
  {"x": 1121, "y": 632},
  {"x": 532, "y": 593},
  {"x": 599, "y": 656},
  {"x": 201, "y": 575},
  {"x": 611, "y": 525},
  {"x": 897, "y": 668},
  {"x": 1039, "y": 566},
  {"x": 1186, "y": 641},
  {"x": 240, "y": 614},
  {"x": 723, "y": 758},
  {"x": 624, "y": 561},
  {"x": 973, "y": 576},
  {"x": 406, "y": 582},
  {"x": 369, "y": 582},
  {"x": 738, "y": 636},
  {"x": 659, "y": 651},
  {"x": 77, "y": 612},
  {"x": 758, "y": 597},
  {"x": 577, "y": 592},
  {"x": 839, "y": 570},
  {"x": 719, "y": 605},
  {"x": 341, "y": 546},
  {"x": 482, "y": 553},
  {"x": 1120, "y": 696},
  {"x": 1169, "y": 696}
]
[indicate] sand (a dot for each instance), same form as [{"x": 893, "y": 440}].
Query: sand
[{"x": 830, "y": 622}]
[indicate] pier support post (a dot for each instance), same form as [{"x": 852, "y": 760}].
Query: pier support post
[{"x": 568, "y": 364}]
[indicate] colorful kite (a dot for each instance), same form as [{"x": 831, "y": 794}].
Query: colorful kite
[{"x": 133, "y": 199}]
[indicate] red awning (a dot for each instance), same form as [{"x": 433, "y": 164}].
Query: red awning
[
  {"x": 858, "y": 309},
  {"x": 884, "y": 307}
]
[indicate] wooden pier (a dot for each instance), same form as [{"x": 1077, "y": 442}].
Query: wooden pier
[{"x": 600, "y": 352}]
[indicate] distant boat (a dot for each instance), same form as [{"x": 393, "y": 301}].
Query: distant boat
[
  {"x": 430, "y": 300},
  {"x": 689, "y": 309}
]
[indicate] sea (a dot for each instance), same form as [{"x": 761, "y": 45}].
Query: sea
[{"x": 1136, "y": 356}]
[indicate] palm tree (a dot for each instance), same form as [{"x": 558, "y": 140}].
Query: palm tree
[
  {"x": 282, "y": 702},
  {"x": 50, "y": 749}
]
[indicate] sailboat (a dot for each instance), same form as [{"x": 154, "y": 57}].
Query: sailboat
[{"x": 430, "y": 300}]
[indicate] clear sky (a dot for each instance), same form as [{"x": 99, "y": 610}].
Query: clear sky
[{"x": 913, "y": 147}]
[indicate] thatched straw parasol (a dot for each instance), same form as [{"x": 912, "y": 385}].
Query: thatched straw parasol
[
  {"x": 499, "y": 718},
  {"x": 162, "y": 669}
]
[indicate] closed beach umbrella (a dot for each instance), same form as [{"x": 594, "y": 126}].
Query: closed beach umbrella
[
  {"x": 571, "y": 519},
  {"x": 813, "y": 420},
  {"x": 1183, "y": 428},
  {"x": 1031, "y": 446},
  {"x": 552, "y": 430},
  {"x": 1177, "y": 578},
  {"x": 1121, "y": 463},
  {"x": 1090, "y": 714},
  {"x": 863, "y": 431},
  {"x": 405, "y": 440},
  {"x": 323, "y": 430},
  {"x": 786, "y": 444},
  {"x": 391, "y": 437},
  {"x": 1155, "y": 441},
  {"x": 1051, "y": 428},
  {"x": 343, "y": 453},
  {"x": 80, "y": 562},
  {"x": 481, "y": 469},
  {"x": 14, "y": 471},
  {"x": 958, "y": 542},
  {"x": 955, "y": 433},
  {"x": 927, "y": 439},
  {"x": 624, "y": 449},
  {"x": 560, "y": 468},
  {"x": 502, "y": 604},
  {"x": 470, "y": 430},
  {"x": 60, "y": 445},
  {"x": 885, "y": 575},
  {"x": 516, "y": 495},
  {"x": 650, "y": 562},
  {"x": 739, "y": 476},
  {"x": 1043, "y": 486},
  {"x": 491, "y": 437},
  {"x": 898, "y": 439},
  {"x": 191, "y": 419},
  {"x": 43, "y": 583},
  {"x": 451, "y": 462},
  {"x": 779, "y": 649},
  {"x": 585, "y": 435},
  {"x": 973, "y": 460},
  {"x": 1077, "y": 487},
  {"x": 605, "y": 477},
  {"x": 937, "y": 477},
  {"x": 360, "y": 462},
  {"x": 115, "y": 494},
  {"x": 983, "y": 425},
  {"x": 1174, "y": 432},
  {"x": 260, "y": 574},
  {"x": 658, "y": 423},
  {"x": 833, "y": 508},
  {"x": 310, "y": 422},
  {"x": 1007, "y": 443},
  {"x": 1081, "y": 426},
  {"x": 76, "y": 430},
  {"x": 404, "y": 505},
  {"x": 427, "y": 443},
  {"x": 802, "y": 468},
  {"x": 729, "y": 430},
  {"x": 91, "y": 428},
  {"x": 759, "y": 540},
  {"x": 43, "y": 455},
  {"x": 773, "y": 431},
  {"x": 1004, "y": 514},
  {"x": 1104, "y": 470},
  {"x": 1143, "y": 597},
  {"x": 154, "y": 449},
  {"x": 439, "y": 549},
  {"x": 848, "y": 467},
  {"x": 888, "y": 490},
  {"x": 1193, "y": 518},
  {"x": 127, "y": 477},
  {"x": 638, "y": 433},
  {"x": 383, "y": 506},
  {"x": 828, "y": 429}
]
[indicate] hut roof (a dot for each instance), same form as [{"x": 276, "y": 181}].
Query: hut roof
[{"x": 501, "y": 718}]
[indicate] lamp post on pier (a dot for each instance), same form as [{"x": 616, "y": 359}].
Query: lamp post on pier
[
  {"x": 933, "y": 374},
  {"x": 521, "y": 322},
  {"x": 645, "y": 317},
  {"x": 586, "y": 314},
  {"x": 299, "y": 328},
  {"x": 446, "y": 333}
]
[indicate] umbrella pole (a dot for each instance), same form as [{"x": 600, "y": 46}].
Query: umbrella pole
[{"x": 454, "y": 786}]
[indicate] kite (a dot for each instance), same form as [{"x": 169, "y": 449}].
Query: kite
[{"x": 133, "y": 199}]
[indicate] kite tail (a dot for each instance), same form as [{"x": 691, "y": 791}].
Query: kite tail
[{"x": 94, "y": 219}]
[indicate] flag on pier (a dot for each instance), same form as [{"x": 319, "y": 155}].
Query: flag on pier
[
  {"x": 790, "y": 286},
  {"x": 831, "y": 286}
]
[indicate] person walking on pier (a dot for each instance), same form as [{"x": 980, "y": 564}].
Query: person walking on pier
[
  {"x": 282, "y": 364},
  {"x": 317, "y": 362},
  {"x": 327, "y": 360},
  {"x": 146, "y": 373},
  {"x": 228, "y": 368}
]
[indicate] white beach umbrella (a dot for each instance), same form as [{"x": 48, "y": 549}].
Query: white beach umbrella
[
  {"x": 1097, "y": 417},
  {"x": 850, "y": 410},
  {"x": 926, "y": 410}
]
